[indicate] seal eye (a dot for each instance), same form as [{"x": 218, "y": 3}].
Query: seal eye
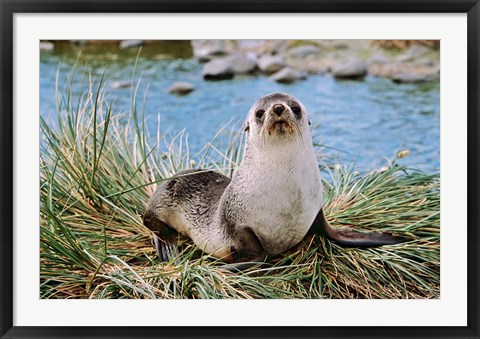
[
  {"x": 297, "y": 111},
  {"x": 259, "y": 113}
]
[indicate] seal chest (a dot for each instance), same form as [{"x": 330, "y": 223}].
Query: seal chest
[{"x": 283, "y": 194}]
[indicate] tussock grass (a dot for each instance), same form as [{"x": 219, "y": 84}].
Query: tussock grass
[{"x": 98, "y": 171}]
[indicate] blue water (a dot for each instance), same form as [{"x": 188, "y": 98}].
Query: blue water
[{"x": 359, "y": 122}]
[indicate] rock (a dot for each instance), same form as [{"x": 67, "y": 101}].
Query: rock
[
  {"x": 217, "y": 69},
  {"x": 302, "y": 52},
  {"x": 414, "y": 52},
  {"x": 340, "y": 44},
  {"x": 206, "y": 50},
  {"x": 288, "y": 75},
  {"x": 311, "y": 65},
  {"x": 401, "y": 78},
  {"x": 46, "y": 46},
  {"x": 273, "y": 47},
  {"x": 121, "y": 84},
  {"x": 181, "y": 88},
  {"x": 124, "y": 44},
  {"x": 270, "y": 64},
  {"x": 249, "y": 44},
  {"x": 350, "y": 69},
  {"x": 378, "y": 58},
  {"x": 425, "y": 62},
  {"x": 243, "y": 63},
  {"x": 316, "y": 67},
  {"x": 405, "y": 58}
]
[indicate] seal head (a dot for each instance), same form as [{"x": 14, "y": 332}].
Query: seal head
[{"x": 276, "y": 119}]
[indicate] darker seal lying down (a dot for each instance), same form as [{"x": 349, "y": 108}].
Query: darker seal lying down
[{"x": 272, "y": 201}]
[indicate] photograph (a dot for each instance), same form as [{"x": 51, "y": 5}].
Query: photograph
[{"x": 239, "y": 169}]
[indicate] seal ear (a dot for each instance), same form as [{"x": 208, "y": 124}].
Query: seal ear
[
  {"x": 309, "y": 123},
  {"x": 247, "y": 127}
]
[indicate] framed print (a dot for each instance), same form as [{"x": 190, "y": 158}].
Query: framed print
[{"x": 277, "y": 169}]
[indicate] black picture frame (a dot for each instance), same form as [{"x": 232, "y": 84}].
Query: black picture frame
[{"x": 10, "y": 7}]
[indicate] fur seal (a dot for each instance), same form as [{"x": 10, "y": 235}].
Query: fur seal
[{"x": 272, "y": 201}]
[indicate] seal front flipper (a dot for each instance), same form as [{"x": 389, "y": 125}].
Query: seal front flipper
[
  {"x": 165, "y": 249},
  {"x": 164, "y": 238},
  {"x": 349, "y": 238}
]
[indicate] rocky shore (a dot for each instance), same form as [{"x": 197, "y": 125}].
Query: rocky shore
[{"x": 288, "y": 61}]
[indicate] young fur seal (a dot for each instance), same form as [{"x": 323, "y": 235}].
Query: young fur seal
[{"x": 272, "y": 201}]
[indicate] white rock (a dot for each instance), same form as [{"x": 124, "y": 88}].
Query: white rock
[
  {"x": 302, "y": 52},
  {"x": 243, "y": 63},
  {"x": 288, "y": 75},
  {"x": 46, "y": 46},
  {"x": 378, "y": 58},
  {"x": 401, "y": 78},
  {"x": 206, "y": 50},
  {"x": 270, "y": 64},
  {"x": 121, "y": 84},
  {"x": 217, "y": 69},
  {"x": 351, "y": 69},
  {"x": 130, "y": 43}
]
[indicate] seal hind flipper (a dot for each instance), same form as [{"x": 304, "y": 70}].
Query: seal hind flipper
[{"x": 349, "y": 238}]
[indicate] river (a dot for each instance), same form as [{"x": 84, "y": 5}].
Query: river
[{"x": 360, "y": 123}]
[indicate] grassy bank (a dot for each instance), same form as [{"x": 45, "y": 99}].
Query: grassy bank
[{"x": 97, "y": 172}]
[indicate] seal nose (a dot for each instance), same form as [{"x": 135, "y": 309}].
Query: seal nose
[{"x": 278, "y": 109}]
